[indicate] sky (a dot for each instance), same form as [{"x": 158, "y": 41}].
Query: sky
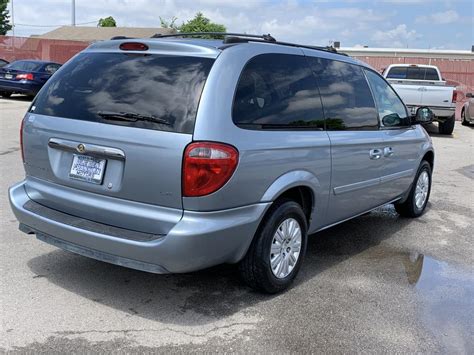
[{"x": 435, "y": 24}]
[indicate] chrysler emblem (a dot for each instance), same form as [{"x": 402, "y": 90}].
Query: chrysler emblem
[{"x": 81, "y": 148}]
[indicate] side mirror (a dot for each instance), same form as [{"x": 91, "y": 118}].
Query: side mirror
[
  {"x": 423, "y": 115},
  {"x": 469, "y": 95}
]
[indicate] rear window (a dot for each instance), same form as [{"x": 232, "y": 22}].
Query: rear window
[
  {"x": 413, "y": 73},
  {"x": 24, "y": 65},
  {"x": 163, "y": 88}
]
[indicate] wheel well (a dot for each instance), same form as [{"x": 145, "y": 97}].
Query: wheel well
[
  {"x": 302, "y": 195},
  {"x": 429, "y": 157}
]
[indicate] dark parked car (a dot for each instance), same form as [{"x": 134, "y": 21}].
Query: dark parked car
[
  {"x": 25, "y": 76},
  {"x": 3, "y": 62}
]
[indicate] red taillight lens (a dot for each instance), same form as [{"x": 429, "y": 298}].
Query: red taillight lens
[
  {"x": 133, "y": 46},
  {"x": 207, "y": 167},
  {"x": 28, "y": 76},
  {"x": 21, "y": 140},
  {"x": 455, "y": 96}
]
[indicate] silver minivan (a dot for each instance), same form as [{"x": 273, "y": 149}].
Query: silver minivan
[{"x": 172, "y": 154}]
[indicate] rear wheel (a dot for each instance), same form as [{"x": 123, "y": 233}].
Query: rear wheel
[
  {"x": 464, "y": 121},
  {"x": 447, "y": 127},
  {"x": 5, "y": 94},
  {"x": 415, "y": 204},
  {"x": 277, "y": 251}
]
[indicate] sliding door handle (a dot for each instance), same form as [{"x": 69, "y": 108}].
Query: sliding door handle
[
  {"x": 387, "y": 151},
  {"x": 375, "y": 154}
]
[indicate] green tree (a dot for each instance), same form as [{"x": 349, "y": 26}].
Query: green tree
[
  {"x": 5, "y": 25},
  {"x": 107, "y": 22},
  {"x": 201, "y": 24}
]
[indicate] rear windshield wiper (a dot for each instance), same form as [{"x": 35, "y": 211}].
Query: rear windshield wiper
[{"x": 132, "y": 117}]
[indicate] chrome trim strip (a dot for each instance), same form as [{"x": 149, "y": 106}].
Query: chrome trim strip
[
  {"x": 356, "y": 186},
  {"x": 89, "y": 149},
  {"x": 395, "y": 176}
]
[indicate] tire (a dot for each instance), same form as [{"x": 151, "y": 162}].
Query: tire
[
  {"x": 463, "y": 117},
  {"x": 5, "y": 94},
  {"x": 410, "y": 208},
  {"x": 447, "y": 127},
  {"x": 256, "y": 267}
]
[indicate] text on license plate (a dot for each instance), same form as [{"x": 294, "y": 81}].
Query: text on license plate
[
  {"x": 87, "y": 168},
  {"x": 8, "y": 76}
]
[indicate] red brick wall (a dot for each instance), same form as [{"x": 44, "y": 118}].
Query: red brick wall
[{"x": 14, "y": 48}]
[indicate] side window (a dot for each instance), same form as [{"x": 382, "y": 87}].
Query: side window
[
  {"x": 277, "y": 91},
  {"x": 391, "y": 109},
  {"x": 346, "y": 97},
  {"x": 51, "y": 68}
]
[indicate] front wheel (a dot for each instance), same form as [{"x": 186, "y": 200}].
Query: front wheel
[
  {"x": 415, "y": 204},
  {"x": 447, "y": 127},
  {"x": 277, "y": 251},
  {"x": 5, "y": 94}
]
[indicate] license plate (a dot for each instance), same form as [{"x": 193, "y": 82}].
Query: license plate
[
  {"x": 8, "y": 76},
  {"x": 87, "y": 169}
]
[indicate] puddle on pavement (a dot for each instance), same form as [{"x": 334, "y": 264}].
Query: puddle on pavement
[{"x": 447, "y": 296}]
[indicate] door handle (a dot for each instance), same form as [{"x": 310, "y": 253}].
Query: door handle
[
  {"x": 375, "y": 154},
  {"x": 387, "y": 151}
]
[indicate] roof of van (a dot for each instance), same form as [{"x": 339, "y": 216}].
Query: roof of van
[{"x": 211, "y": 47}]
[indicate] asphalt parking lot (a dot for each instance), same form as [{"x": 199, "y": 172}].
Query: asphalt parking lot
[{"x": 378, "y": 283}]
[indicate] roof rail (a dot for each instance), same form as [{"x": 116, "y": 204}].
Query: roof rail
[
  {"x": 265, "y": 37},
  {"x": 231, "y": 38}
]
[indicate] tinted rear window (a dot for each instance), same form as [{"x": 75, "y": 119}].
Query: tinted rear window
[
  {"x": 413, "y": 73},
  {"x": 165, "y": 87},
  {"x": 25, "y": 65}
]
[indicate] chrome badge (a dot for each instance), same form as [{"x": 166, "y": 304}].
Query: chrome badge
[{"x": 81, "y": 148}]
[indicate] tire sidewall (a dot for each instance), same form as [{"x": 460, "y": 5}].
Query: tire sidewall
[
  {"x": 286, "y": 210},
  {"x": 425, "y": 166}
]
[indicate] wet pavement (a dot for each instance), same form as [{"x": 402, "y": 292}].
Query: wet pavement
[{"x": 377, "y": 283}]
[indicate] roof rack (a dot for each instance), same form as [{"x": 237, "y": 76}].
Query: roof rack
[
  {"x": 265, "y": 37},
  {"x": 231, "y": 38}
]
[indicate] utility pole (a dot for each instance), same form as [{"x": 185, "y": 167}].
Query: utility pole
[
  {"x": 13, "y": 21},
  {"x": 73, "y": 13}
]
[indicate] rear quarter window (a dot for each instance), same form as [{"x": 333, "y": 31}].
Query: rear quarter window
[
  {"x": 277, "y": 91},
  {"x": 165, "y": 87}
]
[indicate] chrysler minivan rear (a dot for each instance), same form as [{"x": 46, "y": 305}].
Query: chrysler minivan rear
[{"x": 108, "y": 153}]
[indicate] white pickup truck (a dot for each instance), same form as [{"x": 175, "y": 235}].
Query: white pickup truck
[{"x": 422, "y": 85}]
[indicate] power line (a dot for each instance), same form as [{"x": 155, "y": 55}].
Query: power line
[{"x": 32, "y": 25}]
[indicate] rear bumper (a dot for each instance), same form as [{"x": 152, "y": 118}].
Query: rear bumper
[
  {"x": 440, "y": 112},
  {"x": 199, "y": 240},
  {"x": 19, "y": 87}
]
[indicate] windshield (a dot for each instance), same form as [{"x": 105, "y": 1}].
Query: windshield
[{"x": 167, "y": 88}]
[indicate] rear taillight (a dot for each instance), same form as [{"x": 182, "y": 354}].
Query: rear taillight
[
  {"x": 28, "y": 76},
  {"x": 21, "y": 140},
  {"x": 454, "y": 99},
  {"x": 207, "y": 166}
]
